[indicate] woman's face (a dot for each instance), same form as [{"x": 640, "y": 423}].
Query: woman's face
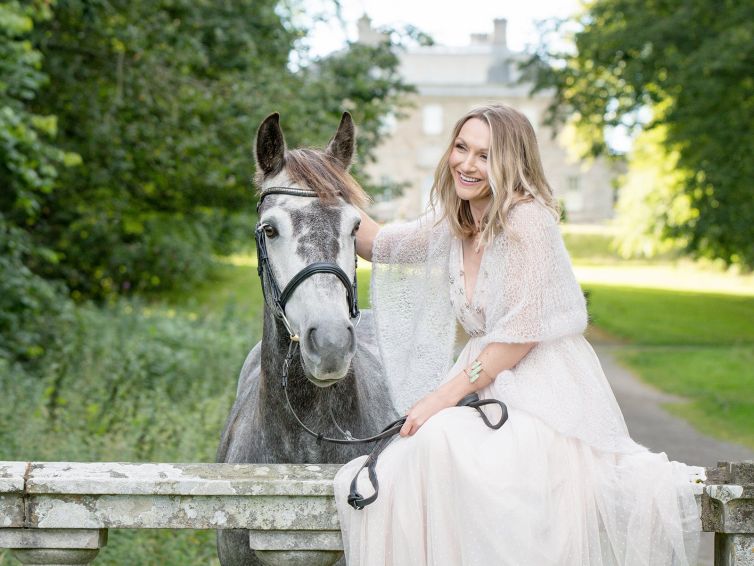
[{"x": 468, "y": 162}]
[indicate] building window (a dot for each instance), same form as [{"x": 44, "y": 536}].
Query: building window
[
  {"x": 574, "y": 197},
  {"x": 574, "y": 183},
  {"x": 432, "y": 119}
]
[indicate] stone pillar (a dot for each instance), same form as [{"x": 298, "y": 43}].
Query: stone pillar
[
  {"x": 728, "y": 510},
  {"x": 297, "y": 547},
  {"x": 54, "y": 547}
]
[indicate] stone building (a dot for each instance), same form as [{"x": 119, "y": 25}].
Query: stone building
[{"x": 450, "y": 81}]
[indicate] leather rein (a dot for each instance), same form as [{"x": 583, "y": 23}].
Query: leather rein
[{"x": 277, "y": 299}]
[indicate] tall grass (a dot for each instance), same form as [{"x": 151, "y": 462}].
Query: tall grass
[
  {"x": 132, "y": 383},
  {"x": 140, "y": 382}
]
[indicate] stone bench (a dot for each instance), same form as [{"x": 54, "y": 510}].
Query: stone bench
[{"x": 59, "y": 512}]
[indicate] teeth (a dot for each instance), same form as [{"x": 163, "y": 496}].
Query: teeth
[{"x": 468, "y": 179}]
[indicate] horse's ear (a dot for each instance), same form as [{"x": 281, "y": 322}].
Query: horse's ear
[
  {"x": 270, "y": 145},
  {"x": 343, "y": 144}
]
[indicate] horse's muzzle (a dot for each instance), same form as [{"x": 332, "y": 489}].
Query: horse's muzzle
[{"x": 327, "y": 352}]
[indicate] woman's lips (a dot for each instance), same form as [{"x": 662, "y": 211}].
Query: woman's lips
[{"x": 467, "y": 180}]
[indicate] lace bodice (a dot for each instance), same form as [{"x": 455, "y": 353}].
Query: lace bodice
[{"x": 469, "y": 314}]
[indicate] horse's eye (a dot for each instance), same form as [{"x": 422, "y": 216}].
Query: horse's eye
[
  {"x": 355, "y": 229},
  {"x": 270, "y": 231}
]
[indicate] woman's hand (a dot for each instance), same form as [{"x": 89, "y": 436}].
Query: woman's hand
[
  {"x": 365, "y": 235},
  {"x": 424, "y": 409}
]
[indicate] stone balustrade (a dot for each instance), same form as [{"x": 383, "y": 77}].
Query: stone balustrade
[{"x": 58, "y": 513}]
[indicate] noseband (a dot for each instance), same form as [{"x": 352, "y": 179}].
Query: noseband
[{"x": 277, "y": 299}]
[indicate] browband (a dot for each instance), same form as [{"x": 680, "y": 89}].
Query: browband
[{"x": 285, "y": 191}]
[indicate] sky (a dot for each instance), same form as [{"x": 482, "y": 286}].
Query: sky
[{"x": 448, "y": 22}]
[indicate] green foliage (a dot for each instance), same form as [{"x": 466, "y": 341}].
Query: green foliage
[
  {"x": 370, "y": 87},
  {"x": 34, "y": 313},
  {"x": 156, "y": 105},
  {"x": 650, "y": 205},
  {"x": 685, "y": 66},
  {"x": 139, "y": 382},
  {"x": 29, "y": 163},
  {"x": 127, "y": 383},
  {"x": 589, "y": 248}
]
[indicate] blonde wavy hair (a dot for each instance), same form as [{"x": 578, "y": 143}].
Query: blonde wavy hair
[{"x": 514, "y": 173}]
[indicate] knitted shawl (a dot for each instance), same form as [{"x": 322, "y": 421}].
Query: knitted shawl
[{"x": 531, "y": 295}]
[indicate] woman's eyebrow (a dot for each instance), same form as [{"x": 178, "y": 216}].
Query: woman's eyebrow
[{"x": 459, "y": 139}]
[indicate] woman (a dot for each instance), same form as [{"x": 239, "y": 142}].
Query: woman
[{"x": 561, "y": 482}]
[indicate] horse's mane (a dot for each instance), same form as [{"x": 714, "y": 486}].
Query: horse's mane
[{"x": 320, "y": 172}]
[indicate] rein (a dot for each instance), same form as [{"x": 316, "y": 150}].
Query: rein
[{"x": 277, "y": 301}]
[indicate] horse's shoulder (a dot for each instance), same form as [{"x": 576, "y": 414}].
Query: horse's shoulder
[{"x": 250, "y": 370}]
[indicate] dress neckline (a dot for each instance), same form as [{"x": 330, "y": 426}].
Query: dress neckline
[{"x": 470, "y": 299}]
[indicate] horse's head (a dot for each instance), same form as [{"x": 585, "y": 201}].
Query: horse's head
[{"x": 300, "y": 230}]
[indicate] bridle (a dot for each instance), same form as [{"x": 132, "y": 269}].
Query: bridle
[
  {"x": 270, "y": 288},
  {"x": 277, "y": 300}
]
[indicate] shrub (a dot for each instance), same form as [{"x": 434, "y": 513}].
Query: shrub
[{"x": 33, "y": 311}]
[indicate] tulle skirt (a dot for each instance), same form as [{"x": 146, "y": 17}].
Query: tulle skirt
[{"x": 459, "y": 493}]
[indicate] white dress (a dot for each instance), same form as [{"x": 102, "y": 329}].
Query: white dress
[{"x": 460, "y": 493}]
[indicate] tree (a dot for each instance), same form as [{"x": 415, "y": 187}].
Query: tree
[
  {"x": 161, "y": 100},
  {"x": 31, "y": 309},
  {"x": 683, "y": 66}
]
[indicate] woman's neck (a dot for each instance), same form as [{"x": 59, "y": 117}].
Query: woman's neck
[{"x": 478, "y": 207}]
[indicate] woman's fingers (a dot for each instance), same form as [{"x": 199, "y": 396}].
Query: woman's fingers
[
  {"x": 411, "y": 425},
  {"x": 405, "y": 429}
]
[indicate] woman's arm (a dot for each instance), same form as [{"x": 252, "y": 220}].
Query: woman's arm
[
  {"x": 495, "y": 358},
  {"x": 365, "y": 235}
]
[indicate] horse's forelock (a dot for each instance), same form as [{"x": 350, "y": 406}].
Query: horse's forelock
[{"x": 319, "y": 172}]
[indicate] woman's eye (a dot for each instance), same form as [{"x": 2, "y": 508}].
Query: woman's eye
[
  {"x": 270, "y": 231},
  {"x": 483, "y": 157},
  {"x": 460, "y": 146}
]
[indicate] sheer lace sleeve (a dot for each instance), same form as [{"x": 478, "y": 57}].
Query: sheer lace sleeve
[
  {"x": 533, "y": 294},
  {"x": 413, "y": 315}
]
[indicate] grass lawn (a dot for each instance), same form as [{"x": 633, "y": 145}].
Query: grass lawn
[
  {"x": 696, "y": 345},
  {"x": 717, "y": 381},
  {"x": 688, "y": 329},
  {"x": 665, "y": 317}
]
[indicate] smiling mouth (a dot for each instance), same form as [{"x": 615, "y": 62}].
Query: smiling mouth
[{"x": 469, "y": 180}]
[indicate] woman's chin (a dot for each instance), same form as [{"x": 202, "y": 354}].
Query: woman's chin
[{"x": 473, "y": 194}]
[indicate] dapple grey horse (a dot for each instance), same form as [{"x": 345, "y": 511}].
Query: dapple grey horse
[{"x": 338, "y": 375}]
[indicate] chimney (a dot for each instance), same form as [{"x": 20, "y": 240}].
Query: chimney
[
  {"x": 480, "y": 39},
  {"x": 500, "y": 36},
  {"x": 367, "y": 34}
]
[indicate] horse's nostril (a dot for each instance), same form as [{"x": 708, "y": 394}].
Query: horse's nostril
[
  {"x": 330, "y": 341},
  {"x": 312, "y": 338}
]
